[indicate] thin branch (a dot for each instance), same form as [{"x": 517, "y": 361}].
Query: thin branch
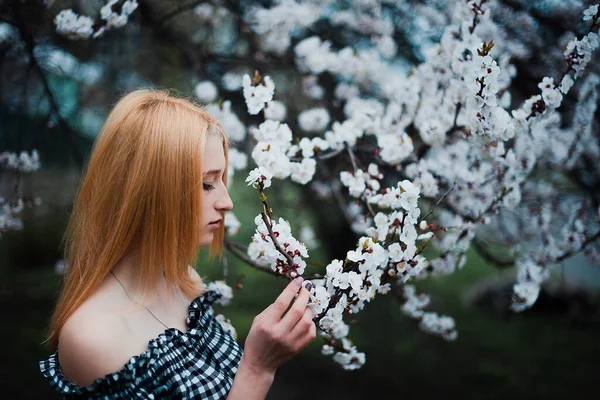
[
  {"x": 179, "y": 10},
  {"x": 352, "y": 157},
  {"x": 488, "y": 256},
  {"x": 30, "y": 45},
  {"x": 458, "y": 108},
  {"x": 455, "y": 127},
  {"x": 334, "y": 343},
  {"x": 320, "y": 156},
  {"x": 289, "y": 258},
  {"x": 240, "y": 251},
  {"x": 313, "y": 276},
  {"x": 236, "y": 249},
  {"x": 267, "y": 216},
  {"x": 329, "y": 155},
  {"x": 436, "y": 204},
  {"x": 355, "y": 167},
  {"x": 587, "y": 242},
  {"x": 339, "y": 197},
  {"x": 169, "y": 38},
  {"x": 368, "y": 205}
]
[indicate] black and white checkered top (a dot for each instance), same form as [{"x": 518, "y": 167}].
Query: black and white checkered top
[{"x": 198, "y": 364}]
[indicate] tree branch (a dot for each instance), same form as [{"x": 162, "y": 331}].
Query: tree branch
[
  {"x": 236, "y": 249},
  {"x": 29, "y": 46},
  {"x": 179, "y": 10},
  {"x": 488, "y": 256},
  {"x": 436, "y": 204},
  {"x": 585, "y": 243}
]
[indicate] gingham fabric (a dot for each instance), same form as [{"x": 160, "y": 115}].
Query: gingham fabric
[{"x": 198, "y": 364}]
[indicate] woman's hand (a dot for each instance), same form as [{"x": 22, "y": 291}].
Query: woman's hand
[{"x": 274, "y": 338}]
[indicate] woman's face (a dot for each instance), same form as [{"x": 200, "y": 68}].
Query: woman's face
[{"x": 215, "y": 199}]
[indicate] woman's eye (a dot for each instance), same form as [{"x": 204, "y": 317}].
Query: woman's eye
[{"x": 208, "y": 186}]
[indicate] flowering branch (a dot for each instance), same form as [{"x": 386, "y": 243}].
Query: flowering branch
[
  {"x": 239, "y": 252},
  {"x": 591, "y": 239},
  {"x": 432, "y": 209},
  {"x": 114, "y": 14}
]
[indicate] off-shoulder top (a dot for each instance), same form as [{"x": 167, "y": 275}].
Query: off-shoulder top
[{"x": 198, "y": 364}]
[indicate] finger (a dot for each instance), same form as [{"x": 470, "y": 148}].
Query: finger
[
  {"x": 308, "y": 336},
  {"x": 313, "y": 332},
  {"x": 296, "y": 311},
  {"x": 282, "y": 302},
  {"x": 304, "y": 324}
]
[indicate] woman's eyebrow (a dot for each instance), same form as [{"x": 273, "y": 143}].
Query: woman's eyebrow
[{"x": 212, "y": 172}]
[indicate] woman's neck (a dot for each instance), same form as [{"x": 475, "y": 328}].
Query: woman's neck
[{"x": 128, "y": 272}]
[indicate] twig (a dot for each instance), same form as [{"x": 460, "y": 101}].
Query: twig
[
  {"x": 436, "y": 204},
  {"x": 313, "y": 276},
  {"x": 352, "y": 156},
  {"x": 30, "y": 45},
  {"x": 339, "y": 197},
  {"x": 355, "y": 167},
  {"x": 585, "y": 243},
  {"x": 368, "y": 205},
  {"x": 324, "y": 156},
  {"x": 289, "y": 258},
  {"x": 488, "y": 256},
  {"x": 267, "y": 220},
  {"x": 236, "y": 249},
  {"x": 179, "y": 10},
  {"x": 335, "y": 344}
]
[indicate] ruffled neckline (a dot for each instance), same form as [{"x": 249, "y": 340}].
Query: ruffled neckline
[{"x": 144, "y": 363}]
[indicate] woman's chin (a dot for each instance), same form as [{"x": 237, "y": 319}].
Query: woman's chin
[{"x": 206, "y": 239}]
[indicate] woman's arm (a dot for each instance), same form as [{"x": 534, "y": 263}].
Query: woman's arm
[
  {"x": 250, "y": 383},
  {"x": 274, "y": 338}
]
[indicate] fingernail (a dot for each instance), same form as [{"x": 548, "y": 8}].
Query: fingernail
[
  {"x": 308, "y": 286},
  {"x": 298, "y": 281}
]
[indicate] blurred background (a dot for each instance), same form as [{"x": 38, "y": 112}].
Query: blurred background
[{"x": 55, "y": 93}]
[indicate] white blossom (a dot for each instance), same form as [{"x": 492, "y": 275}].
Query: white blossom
[
  {"x": 386, "y": 46},
  {"x": 224, "y": 289},
  {"x": 206, "y": 91},
  {"x": 259, "y": 175},
  {"x": 525, "y": 294},
  {"x": 409, "y": 195},
  {"x": 257, "y": 95},
  {"x": 233, "y": 127},
  {"x": 395, "y": 148},
  {"x": 314, "y": 120},
  {"x": 73, "y": 26},
  {"x": 226, "y": 325},
  {"x": 232, "y": 81},
  {"x": 275, "y": 111},
  {"x": 303, "y": 171},
  {"x": 232, "y": 224},
  {"x": 590, "y": 12}
]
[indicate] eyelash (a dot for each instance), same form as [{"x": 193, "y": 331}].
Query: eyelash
[{"x": 208, "y": 186}]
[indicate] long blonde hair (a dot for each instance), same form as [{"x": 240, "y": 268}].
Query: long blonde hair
[{"x": 142, "y": 190}]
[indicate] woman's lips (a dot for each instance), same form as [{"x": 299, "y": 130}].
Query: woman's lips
[{"x": 215, "y": 224}]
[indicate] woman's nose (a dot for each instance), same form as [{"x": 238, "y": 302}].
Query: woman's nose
[{"x": 224, "y": 203}]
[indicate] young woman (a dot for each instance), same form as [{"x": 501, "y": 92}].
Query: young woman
[{"x": 134, "y": 320}]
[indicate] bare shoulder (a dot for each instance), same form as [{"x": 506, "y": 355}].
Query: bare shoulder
[{"x": 91, "y": 346}]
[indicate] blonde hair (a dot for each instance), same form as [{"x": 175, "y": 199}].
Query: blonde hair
[{"x": 142, "y": 190}]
